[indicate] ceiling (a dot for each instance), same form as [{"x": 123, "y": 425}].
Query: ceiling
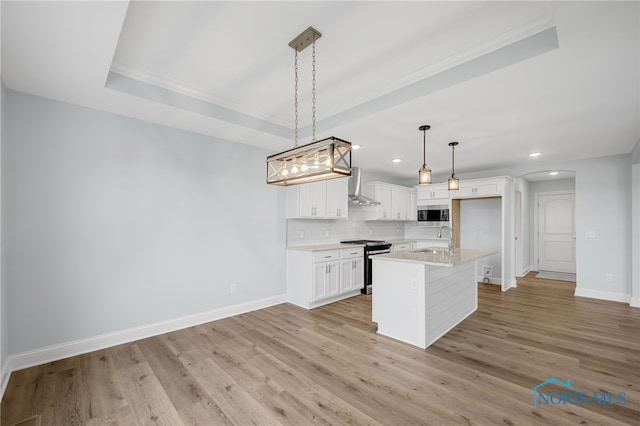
[{"x": 502, "y": 78}]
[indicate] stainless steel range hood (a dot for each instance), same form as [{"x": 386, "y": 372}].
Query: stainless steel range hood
[{"x": 355, "y": 190}]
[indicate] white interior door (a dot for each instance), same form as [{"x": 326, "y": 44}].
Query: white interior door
[{"x": 557, "y": 233}]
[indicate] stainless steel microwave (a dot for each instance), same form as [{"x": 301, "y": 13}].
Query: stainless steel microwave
[{"x": 433, "y": 213}]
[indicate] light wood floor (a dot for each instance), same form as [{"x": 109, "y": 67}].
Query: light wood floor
[{"x": 286, "y": 365}]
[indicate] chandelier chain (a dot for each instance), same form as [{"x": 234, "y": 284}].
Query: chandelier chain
[
  {"x": 295, "y": 69},
  {"x": 313, "y": 94}
]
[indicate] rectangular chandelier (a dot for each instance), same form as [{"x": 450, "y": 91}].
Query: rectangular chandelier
[{"x": 321, "y": 160}]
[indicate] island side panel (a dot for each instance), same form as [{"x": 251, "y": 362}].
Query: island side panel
[
  {"x": 398, "y": 304},
  {"x": 452, "y": 295}
]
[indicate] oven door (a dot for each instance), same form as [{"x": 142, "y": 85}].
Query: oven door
[{"x": 368, "y": 266}]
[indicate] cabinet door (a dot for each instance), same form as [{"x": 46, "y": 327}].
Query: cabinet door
[
  {"x": 440, "y": 191},
  {"x": 383, "y": 195},
  {"x": 319, "y": 281},
  {"x": 358, "y": 274},
  {"x": 326, "y": 280},
  {"x": 312, "y": 199},
  {"x": 333, "y": 279},
  {"x": 398, "y": 203},
  {"x": 337, "y": 199},
  {"x": 412, "y": 207},
  {"x": 352, "y": 275}
]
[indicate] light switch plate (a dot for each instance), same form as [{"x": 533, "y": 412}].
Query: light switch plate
[{"x": 590, "y": 234}]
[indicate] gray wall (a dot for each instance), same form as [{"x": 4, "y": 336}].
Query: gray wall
[{"x": 114, "y": 223}]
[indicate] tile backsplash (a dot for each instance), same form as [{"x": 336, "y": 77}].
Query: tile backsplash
[{"x": 304, "y": 232}]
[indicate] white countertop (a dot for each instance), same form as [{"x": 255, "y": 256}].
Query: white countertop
[{"x": 459, "y": 255}]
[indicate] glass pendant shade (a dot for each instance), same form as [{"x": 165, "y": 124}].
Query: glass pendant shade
[
  {"x": 321, "y": 160},
  {"x": 454, "y": 182},
  {"x": 424, "y": 175}
]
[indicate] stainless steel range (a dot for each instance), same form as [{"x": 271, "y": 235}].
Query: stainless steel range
[{"x": 371, "y": 248}]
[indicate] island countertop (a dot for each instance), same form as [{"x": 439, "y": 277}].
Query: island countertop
[{"x": 459, "y": 256}]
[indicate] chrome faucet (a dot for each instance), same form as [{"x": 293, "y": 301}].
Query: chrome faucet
[{"x": 450, "y": 236}]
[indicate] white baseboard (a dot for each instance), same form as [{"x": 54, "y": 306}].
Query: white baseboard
[
  {"x": 90, "y": 344},
  {"x": 604, "y": 295},
  {"x": 5, "y": 374},
  {"x": 635, "y": 302}
]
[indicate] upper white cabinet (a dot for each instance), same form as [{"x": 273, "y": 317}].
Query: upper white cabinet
[
  {"x": 396, "y": 202},
  {"x": 337, "y": 199},
  {"x": 434, "y": 192},
  {"x": 318, "y": 200},
  {"x": 493, "y": 187}
]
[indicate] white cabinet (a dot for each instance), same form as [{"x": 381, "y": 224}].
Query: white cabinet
[
  {"x": 325, "y": 280},
  {"x": 403, "y": 246},
  {"x": 352, "y": 273},
  {"x": 434, "y": 192},
  {"x": 399, "y": 208},
  {"x": 412, "y": 205},
  {"x": 318, "y": 200},
  {"x": 397, "y": 203},
  {"x": 479, "y": 188},
  {"x": 337, "y": 199},
  {"x": 315, "y": 278},
  {"x": 380, "y": 192}
]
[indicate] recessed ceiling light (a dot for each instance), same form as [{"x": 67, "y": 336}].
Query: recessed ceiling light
[
  {"x": 353, "y": 146},
  {"x": 397, "y": 160},
  {"x": 553, "y": 173},
  {"x": 535, "y": 154}
]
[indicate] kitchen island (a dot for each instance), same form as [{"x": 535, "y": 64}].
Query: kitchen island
[{"x": 420, "y": 295}]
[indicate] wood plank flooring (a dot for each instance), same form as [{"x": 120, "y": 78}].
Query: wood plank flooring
[{"x": 286, "y": 365}]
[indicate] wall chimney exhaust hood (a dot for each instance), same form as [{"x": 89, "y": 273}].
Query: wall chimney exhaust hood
[{"x": 355, "y": 190}]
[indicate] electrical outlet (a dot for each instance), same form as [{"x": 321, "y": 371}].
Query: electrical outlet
[
  {"x": 487, "y": 271},
  {"x": 301, "y": 234},
  {"x": 609, "y": 277},
  {"x": 398, "y": 231},
  {"x": 233, "y": 288},
  {"x": 370, "y": 231},
  {"x": 326, "y": 234},
  {"x": 590, "y": 234}
]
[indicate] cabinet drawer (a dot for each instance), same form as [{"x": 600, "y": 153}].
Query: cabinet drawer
[
  {"x": 352, "y": 253},
  {"x": 401, "y": 247},
  {"x": 326, "y": 256}
]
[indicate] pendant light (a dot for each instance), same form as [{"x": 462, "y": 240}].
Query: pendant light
[
  {"x": 454, "y": 182},
  {"x": 319, "y": 160},
  {"x": 424, "y": 174}
]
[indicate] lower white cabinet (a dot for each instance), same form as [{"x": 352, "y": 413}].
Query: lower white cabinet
[
  {"x": 325, "y": 280},
  {"x": 352, "y": 274},
  {"x": 315, "y": 278},
  {"x": 403, "y": 246}
]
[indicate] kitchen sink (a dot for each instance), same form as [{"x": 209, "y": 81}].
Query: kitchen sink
[{"x": 434, "y": 250}]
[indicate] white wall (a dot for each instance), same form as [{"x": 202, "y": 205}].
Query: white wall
[
  {"x": 481, "y": 228},
  {"x": 114, "y": 223}
]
